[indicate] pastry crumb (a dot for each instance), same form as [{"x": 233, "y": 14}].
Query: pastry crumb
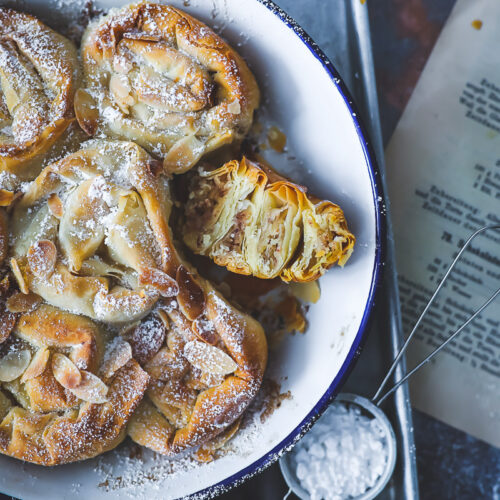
[{"x": 477, "y": 24}]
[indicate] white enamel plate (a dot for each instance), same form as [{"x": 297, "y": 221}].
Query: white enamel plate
[{"x": 304, "y": 96}]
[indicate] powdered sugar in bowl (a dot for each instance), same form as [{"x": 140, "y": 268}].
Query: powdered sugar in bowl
[{"x": 350, "y": 453}]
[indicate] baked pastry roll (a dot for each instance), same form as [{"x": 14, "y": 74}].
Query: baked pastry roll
[
  {"x": 206, "y": 360},
  {"x": 205, "y": 373},
  {"x": 249, "y": 219},
  {"x": 90, "y": 233},
  {"x": 61, "y": 400},
  {"x": 157, "y": 76},
  {"x": 39, "y": 73}
]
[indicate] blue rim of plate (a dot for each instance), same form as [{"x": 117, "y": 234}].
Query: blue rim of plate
[{"x": 380, "y": 235}]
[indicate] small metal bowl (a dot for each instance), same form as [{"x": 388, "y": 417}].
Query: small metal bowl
[{"x": 369, "y": 409}]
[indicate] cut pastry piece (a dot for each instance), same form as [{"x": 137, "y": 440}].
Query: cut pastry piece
[
  {"x": 252, "y": 221},
  {"x": 39, "y": 73},
  {"x": 206, "y": 366},
  {"x": 155, "y": 75},
  {"x": 55, "y": 405},
  {"x": 90, "y": 233}
]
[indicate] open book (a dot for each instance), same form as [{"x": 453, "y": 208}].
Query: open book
[{"x": 443, "y": 170}]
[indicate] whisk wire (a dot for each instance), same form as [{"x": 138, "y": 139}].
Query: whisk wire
[{"x": 377, "y": 399}]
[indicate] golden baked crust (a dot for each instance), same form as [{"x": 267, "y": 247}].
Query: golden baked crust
[
  {"x": 159, "y": 77},
  {"x": 87, "y": 227},
  {"x": 91, "y": 235},
  {"x": 252, "y": 221},
  {"x": 202, "y": 379},
  {"x": 206, "y": 365},
  {"x": 39, "y": 73},
  {"x": 59, "y": 402}
]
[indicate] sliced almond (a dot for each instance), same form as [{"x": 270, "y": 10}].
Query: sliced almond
[
  {"x": 205, "y": 330},
  {"x": 146, "y": 338},
  {"x": 37, "y": 365},
  {"x": 55, "y": 205},
  {"x": 118, "y": 354},
  {"x": 211, "y": 379},
  {"x": 208, "y": 358},
  {"x": 234, "y": 107},
  {"x": 167, "y": 365},
  {"x": 164, "y": 283},
  {"x": 307, "y": 292},
  {"x": 140, "y": 35},
  {"x": 181, "y": 323},
  {"x": 193, "y": 380},
  {"x": 120, "y": 89},
  {"x": 42, "y": 257},
  {"x": 65, "y": 371},
  {"x": 91, "y": 389},
  {"x": 7, "y": 324},
  {"x": 190, "y": 298},
  {"x": 14, "y": 364},
  {"x": 16, "y": 271},
  {"x": 23, "y": 303},
  {"x": 6, "y": 197},
  {"x": 164, "y": 317},
  {"x": 122, "y": 64}
]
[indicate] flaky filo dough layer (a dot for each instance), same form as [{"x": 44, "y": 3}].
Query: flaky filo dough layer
[
  {"x": 204, "y": 376},
  {"x": 252, "y": 221},
  {"x": 61, "y": 400},
  {"x": 156, "y": 75},
  {"x": 39, "y": 74}
]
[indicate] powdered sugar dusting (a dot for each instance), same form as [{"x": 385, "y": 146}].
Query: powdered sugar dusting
[
  {"x": 136, "y": 472},
  {"x": 179, "y": 91},
  {"x": 39, "y": 73}
]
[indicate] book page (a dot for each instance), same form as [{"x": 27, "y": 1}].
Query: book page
[{"x": 443, "y": 171}]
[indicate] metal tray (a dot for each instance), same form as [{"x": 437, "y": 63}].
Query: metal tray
[{"x": 341, "y": 28}]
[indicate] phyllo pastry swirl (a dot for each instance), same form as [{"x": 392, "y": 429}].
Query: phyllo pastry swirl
[
  {"x": 155, "y": 75},
  {"x": 39, "y": 73},
  {"x": 64, "y": 394},
  {"x": 90, "y": 233},
  {"x": 249, "y": 219},
  {"x": 204, "y": 375}
]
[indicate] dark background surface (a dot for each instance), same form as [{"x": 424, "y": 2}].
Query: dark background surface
[{"x": 451, "y": 464}]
